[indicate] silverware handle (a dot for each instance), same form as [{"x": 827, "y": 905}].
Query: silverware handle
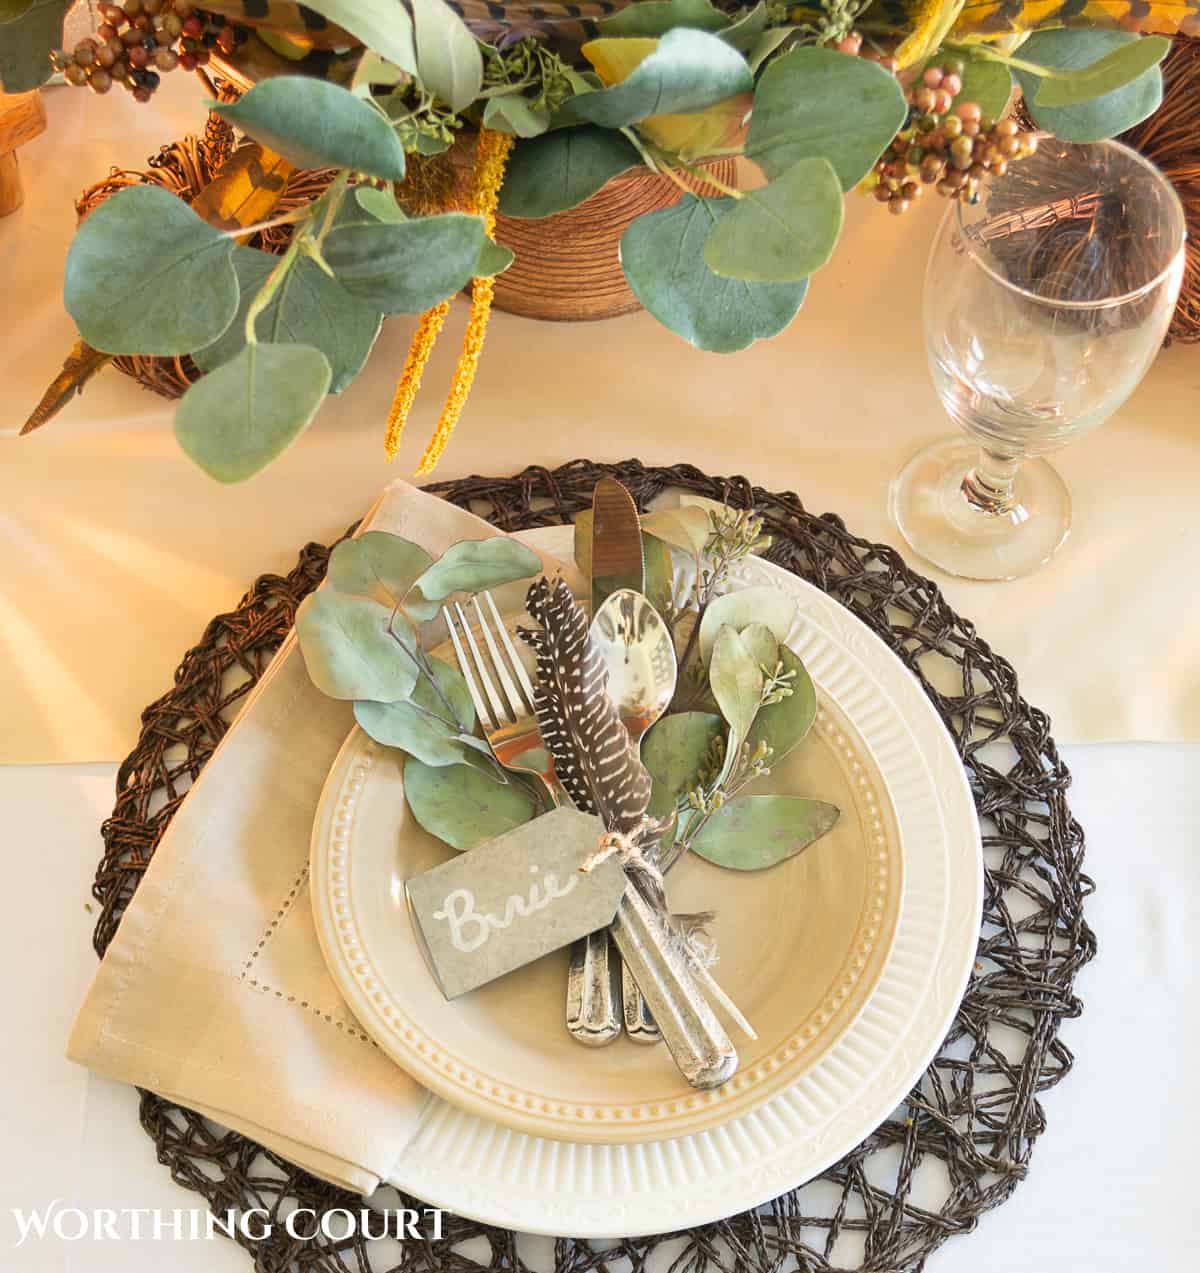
[
  {"x": 695, "y": 1038},
  {"x": 593, "y": 1015},
  {"x": 639, "y": 1020}
]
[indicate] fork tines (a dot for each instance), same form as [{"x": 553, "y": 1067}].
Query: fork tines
[{"x": 514, "y": 700}]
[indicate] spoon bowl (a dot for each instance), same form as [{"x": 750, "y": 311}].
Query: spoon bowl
[{"x": 639, "y": 654}]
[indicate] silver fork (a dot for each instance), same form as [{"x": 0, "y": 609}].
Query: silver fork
[
  {"x": 510, "y": 726},
  {"x": 695, "y": 1038}
]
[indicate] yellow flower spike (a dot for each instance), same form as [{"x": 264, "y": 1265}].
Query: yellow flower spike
[
  {"x": 490, "y": 160},
  {"x": 414, "y": 368}
]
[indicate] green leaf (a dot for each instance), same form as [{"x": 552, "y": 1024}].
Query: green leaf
[
  {"x": 753, "y": 832},
  {"x": 687, "y": 528},
  {"x": 382, "y": 25},
  {"x": 818, "y": 103},
  {"x": 783, "y": 231},
  {"x": 449, "y": 63},
  {"x": 1118, "y": 67},
  {"x": 1102, "y": 117},
  {"x": 494, "y": 258},
  {"x": 688, "y": 71},
  {"x": 31, "y": 32},
  {"x": 423, "y": 725},
  {"x": 308, "y": 308},
  {"x": 736, "y": 681},
  {"x": 317, "y": 124},
  {"x": 657, "y": 17},
  {"x": 784, "y": 724},
  {"x": 378, "y": 565},
  {"x": 766, "y": 44},
  {"x": 747, "y": 31},
  {"x": 674, "y": 751},
  {"x": 380, "y": 204},
  {"x": 463, "y": 806},
  {"x": 761, "y": 644},
  {"x": 988, "y": 83},
  {"x": 349, "y": 650},
  {"x": 762, "y": 604},
  {"x": 475, "y": 564},
  {"x": 407, "y": 267},
  {"x": 562, "y": 169},
  {"x": 239, "y": 418},
  {"x": 515, "y": 114},
  {"x": 660, "y": 573},
  {"x": 183, "y": 293},
  {"x": 662, "y": 255}
]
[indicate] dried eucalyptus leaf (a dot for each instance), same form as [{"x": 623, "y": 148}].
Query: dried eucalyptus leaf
[
  {"x": 424, "y": 726},
  {"x": 753, "y": 832},
  {"x": 687, "y": 529},
  {"x": 583, "y": 542},
  {"x": 674, "y": 752},
  {"x": 762, "y": 644},
  {"x": 782, "y": 725},
  {"x": 737, "y": 682},
  {"x": 659, "y": 572},
  {"x": 475, "y": 564},
  {"x": 377, "y": 565},
  {"x": 349, "y": 651},
  {"x": 461, "y": 805},
  {"x": 762, "y": 604}
]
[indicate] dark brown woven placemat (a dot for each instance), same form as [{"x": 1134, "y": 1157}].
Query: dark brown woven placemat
[{"x": 963, "y": 1139}]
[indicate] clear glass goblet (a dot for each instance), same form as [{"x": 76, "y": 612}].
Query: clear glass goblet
[{"x": 1045, "y": 303}]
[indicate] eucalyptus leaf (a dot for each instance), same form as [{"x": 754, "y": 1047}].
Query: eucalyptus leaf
[
  {"x": 513, "y": 113},
  {"x": 408, "y": 267},
  {"x": 181, "y": 297},
  {"x": 657, "y": 17},
  {"x": 380, "y": 204},
  {"x": 783, "y": 231},
  {"x": 494, "y": 258},
  {"x": 1121, "y": 65},
  {"x": 449, "y": 63},
  {"x": 308, "y": 308},
  {"x": 818, "y": 103},
  {"x": 687, "y": 529},
  {"x": 754, "y": 832},
  {"x": 687, "y": 71},
  {"x": 1102, "y": 117},
  {"x": 560, "y": 170},
  {"x": 317, "y": 124},
  {"x": 31, "y": 32},
  {"x": 462, "y": 805},
  {"x": 761, "y": 644},
  {"x": 659, "y": 572},
  {"x": 784, "y": 724},
  {"x": 988, "y": 83},
  {"x": 746, "y": 32},
  {"x": 736, "y": 681},
  {"x": 423, "y": 725},
  {"x": 349, "y": 648},
  {"x": 378, "y": 565},
  {"x": 382, "y": 25},
  {"x": 771, "y": 40},
  {"x": 475, "y": 564},
  {"x": 247, "y": 412},
  {"x": 662, "y": 255},
  {"x": 674, "y": 751},
  {"x": 374, "y": 70},
  {"x": 760, "y": 604}
]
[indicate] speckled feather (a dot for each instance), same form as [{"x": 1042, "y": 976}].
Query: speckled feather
[{"x": 592, "y": 754}]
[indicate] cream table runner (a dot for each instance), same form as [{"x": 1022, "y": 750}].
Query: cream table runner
[{"x": 116, "y": 550}]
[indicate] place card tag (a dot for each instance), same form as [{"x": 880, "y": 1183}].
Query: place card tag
[{"x": 514, "y": 899}]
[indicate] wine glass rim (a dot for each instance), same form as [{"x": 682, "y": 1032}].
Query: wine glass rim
[{"x": 1108, "y": 302}]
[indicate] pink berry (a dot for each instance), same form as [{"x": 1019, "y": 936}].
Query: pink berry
[
  {"x": 942, "y": 101},
  {"x": 952, "y": 84},
  {"x": 851, "y": 44},
  {"x": 933, "y": 76},
  {"x": 969, "y": 112}
]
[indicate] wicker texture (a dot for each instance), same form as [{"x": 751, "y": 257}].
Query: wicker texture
[{"x": 965, "y": 1134}]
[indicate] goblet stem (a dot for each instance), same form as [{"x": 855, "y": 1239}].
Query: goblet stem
[{"x": 990, "y": 485}]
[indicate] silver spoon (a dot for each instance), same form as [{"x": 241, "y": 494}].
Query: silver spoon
[{"x": 639, "y": 654}]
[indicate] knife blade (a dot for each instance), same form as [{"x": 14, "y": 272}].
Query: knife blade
[{"x": 617, "y": 559}]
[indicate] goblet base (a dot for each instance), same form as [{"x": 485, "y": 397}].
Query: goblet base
[{"x": 934, "y": 515}]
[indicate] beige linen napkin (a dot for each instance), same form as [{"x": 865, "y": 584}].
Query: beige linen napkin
[{"x": 214, "y": 991}]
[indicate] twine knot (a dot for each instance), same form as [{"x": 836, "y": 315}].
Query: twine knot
[{"x": 626, "y": 845}]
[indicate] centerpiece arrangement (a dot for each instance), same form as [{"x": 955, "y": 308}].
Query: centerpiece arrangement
[{"x": 554, "y": 102}]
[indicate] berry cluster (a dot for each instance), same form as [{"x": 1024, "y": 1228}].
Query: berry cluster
[
  {"x": 947, "y": 144},
  {"x": 141, "y": 38}
]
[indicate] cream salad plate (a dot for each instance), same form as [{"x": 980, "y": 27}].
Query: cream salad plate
[{"x": 850, "y": 961}]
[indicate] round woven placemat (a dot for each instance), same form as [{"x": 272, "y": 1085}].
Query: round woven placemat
[{"x": 961, "y": 1142}]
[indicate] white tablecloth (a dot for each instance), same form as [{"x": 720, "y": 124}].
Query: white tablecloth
[
  {"x": 1110, "y": 1184},
  {"x": 117, "y": 551}
]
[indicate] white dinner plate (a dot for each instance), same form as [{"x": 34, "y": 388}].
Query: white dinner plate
[{"x": 474, "y": 1164}]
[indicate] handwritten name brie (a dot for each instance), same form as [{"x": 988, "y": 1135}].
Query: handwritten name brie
[{"x": 512, "y": 900}]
